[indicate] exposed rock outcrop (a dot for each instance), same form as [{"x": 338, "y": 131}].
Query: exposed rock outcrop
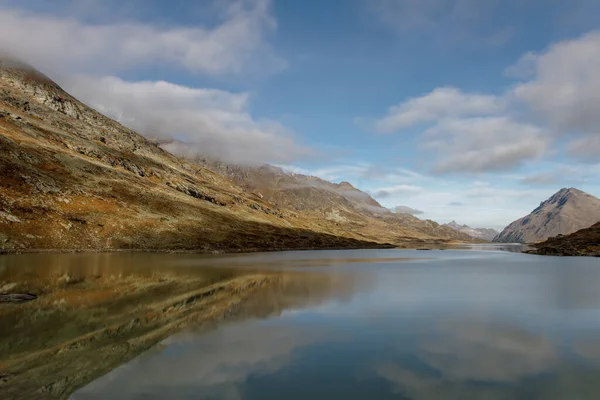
[{"x": 585, "y": 242}]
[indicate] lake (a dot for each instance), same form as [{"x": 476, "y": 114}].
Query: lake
[{"x": 397, "y": 324}]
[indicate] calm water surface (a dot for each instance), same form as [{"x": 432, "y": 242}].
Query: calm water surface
[{"x": 452, "y": 324}]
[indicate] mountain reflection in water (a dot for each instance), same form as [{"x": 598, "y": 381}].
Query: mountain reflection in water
[{"x": 97, "y": 311}]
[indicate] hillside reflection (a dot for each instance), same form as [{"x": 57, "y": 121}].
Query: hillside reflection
[{"x": 97, "y": 311}]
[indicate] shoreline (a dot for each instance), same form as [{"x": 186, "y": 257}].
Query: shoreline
[
  {"x": 375, "y": 246},
  {"x": 560, "y": 252},
  {"x": 408, "y": 245}
]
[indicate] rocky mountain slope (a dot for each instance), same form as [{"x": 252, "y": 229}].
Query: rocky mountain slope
[
  {"x": 476, "y": 233},
  {"x": 71, "y": 178},
  {"x": 341, "y": 204},
  {"x": 585, "y": 242},
  {"x": 567, "y": 211}
]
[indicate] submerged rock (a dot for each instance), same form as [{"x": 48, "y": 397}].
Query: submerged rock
[{"x": 17, "y": 297}]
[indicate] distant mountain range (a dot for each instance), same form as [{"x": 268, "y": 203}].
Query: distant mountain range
[
  {"x": 477, "y": 233},
  {"x": 341, "y": 204},
  {"x": 567, "y": 211}
]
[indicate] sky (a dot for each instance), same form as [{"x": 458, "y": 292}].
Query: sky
[{"x": 465, "y": 110}]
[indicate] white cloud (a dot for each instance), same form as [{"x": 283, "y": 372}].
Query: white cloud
[
  {"x": 469, "y": 133},
  {"x": 483, "y": 144},
  {"x": 407, "y": 210},
  {"x": 234, "y": 46},
  {"x": 198, "y": 121},
  {"x": 342, "y": 172},
  {"x": 565, "y": 90},
  {"x": 440, "y": 103},
  {"x": 406, "y": 190},
  {"x": 566, "y": 85},
  {"x": 203, "y": 121},
  {"x": 487, "y": 133}
]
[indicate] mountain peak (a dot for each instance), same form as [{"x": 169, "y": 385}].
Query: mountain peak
[
  {"x": 453, "y": 224},
  {"x": 565, "y": 212},
  {"x": 345, "y": 185},
  {"x": 563, "y": 196},
  {"x": 571, "y": 190},
  {"x": 23, "y": 70},
  {"x": 477, "y": 233}
]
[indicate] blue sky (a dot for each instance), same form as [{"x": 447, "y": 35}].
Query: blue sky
[{"x": 462, "y": 109}]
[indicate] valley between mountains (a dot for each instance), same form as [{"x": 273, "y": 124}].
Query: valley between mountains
[{"x": 73, "y": 179}]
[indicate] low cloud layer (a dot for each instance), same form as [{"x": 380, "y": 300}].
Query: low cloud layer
[
  {"x": 203, "y": 121},
  {"x": 87, "y": 58},
  {"x": 408, "y": 210},
  {"x": 397, "y": 190}
]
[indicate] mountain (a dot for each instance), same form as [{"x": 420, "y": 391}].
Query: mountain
[
  {"x": 71, "y": 178},
  {"x": 585, "y": 242},
  {"x": 567, "y": 211},
  {"x": 341, "y": 204},
  {"x": 477, "y": 233}
]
